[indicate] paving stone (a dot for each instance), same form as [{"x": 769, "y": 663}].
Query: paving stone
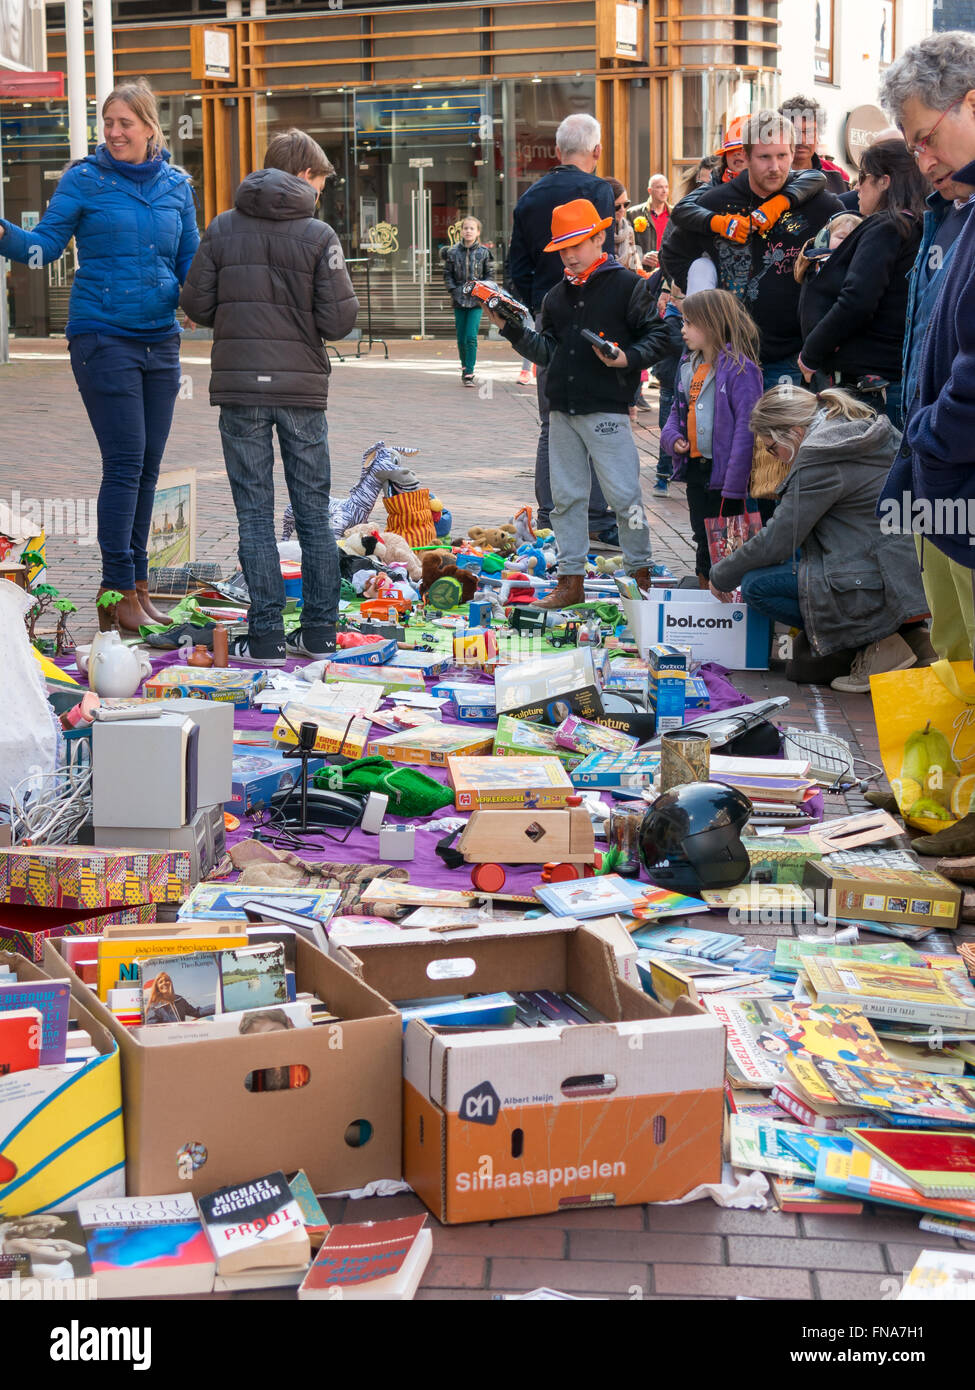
[
  {"x": 643, "y": 1245},
  {"x": 804, "y": 1254},
  {"x": 728, "y": 1282},
  {"x": 591, "y": 1276}
]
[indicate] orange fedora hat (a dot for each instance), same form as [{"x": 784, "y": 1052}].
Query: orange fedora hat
[
  {"x": 574, "y": 222},
  {"x": 732, "y": 139}
]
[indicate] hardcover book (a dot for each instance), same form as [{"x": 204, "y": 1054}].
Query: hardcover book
[
  {"x": 21, "y": 1032},
  {"x": 681, "y": 939},
  {"x": 216, "y": 901},
  {"x": 791, "y": 954}
]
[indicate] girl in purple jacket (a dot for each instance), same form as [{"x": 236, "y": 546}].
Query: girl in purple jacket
[{"x": 718, "y": 381}]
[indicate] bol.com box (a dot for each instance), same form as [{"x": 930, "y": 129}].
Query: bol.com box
[{"x": 730, "y": 633}]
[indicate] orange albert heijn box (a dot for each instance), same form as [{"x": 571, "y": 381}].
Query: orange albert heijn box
[{"x": 515, "y": 1122}]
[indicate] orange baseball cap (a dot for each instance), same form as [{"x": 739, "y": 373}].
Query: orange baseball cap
[
  {"x": 732, "y": 137},
  {"x": 574, "y": 222}
]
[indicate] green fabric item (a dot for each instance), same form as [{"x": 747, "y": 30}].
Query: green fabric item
[
  {"x": 186, "y": 611},
  {"x": 411, "y": 793}
]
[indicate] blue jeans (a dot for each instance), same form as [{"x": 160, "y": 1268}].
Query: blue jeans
[
  {"x": 774, "y": 591},
  {"x": 894, "y": 407},
  {"x": 248, "y": 451},
  {"x": 773, "y": 373},
  {"x": 129, "y": 389}
]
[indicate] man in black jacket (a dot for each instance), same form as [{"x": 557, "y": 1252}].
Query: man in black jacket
[
  {"x": 590, "y": 391},
  {"x": 532, "y": 271},
  {"x": 271, "y": 280},
  {"x": 754, "y": 240}
]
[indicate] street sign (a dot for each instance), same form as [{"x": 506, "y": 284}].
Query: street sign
[{"x": 421, "y": 163}]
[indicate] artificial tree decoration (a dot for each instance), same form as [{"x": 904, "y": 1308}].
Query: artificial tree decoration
[
  {"x": 63, "y": 641},
  {"x": 44, "y": 596}
]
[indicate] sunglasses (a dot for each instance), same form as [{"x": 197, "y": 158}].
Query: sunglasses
[{"x": 623, "y": 205}]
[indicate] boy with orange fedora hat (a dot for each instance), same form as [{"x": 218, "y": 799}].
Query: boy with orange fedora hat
[{"x": 590, "y": 391}]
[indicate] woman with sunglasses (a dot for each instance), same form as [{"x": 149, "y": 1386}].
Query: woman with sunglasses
[{"x": 853, "y": 312}]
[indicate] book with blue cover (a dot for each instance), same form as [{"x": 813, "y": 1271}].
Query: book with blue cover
[
  {"x": 682, "y": 939},
  {"x": 52, "y": 998},
  {"x": 633, "y": 769},
  {"x": 480, "y": 1011},
  {"x": 593, "y": 897}
]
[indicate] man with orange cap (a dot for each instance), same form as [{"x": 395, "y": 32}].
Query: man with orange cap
[{"x": 590, "y": 390}]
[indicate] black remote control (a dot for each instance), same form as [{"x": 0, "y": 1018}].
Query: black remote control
[{"x": 605, "y": 347}]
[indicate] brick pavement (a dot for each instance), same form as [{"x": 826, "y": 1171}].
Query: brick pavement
[{"x": 478, "y": 454}]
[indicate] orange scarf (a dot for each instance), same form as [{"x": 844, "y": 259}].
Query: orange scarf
[{"x": 584, "y": 275}]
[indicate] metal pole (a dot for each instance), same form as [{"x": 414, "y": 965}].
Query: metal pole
[
  {"x": 422, "y": 239},
  {"x": 104, "y": 59},
  {"x": 4, "y": 342},
  {"x": 74, "y": 24}
]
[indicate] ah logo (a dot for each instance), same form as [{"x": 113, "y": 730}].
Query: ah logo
[{"x": 481, "y": 1105}]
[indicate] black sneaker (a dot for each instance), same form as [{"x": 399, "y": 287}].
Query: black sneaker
[
  {"x": 468, "y": 378},
  {"x": 610, "y": 538},
  {"x": 315, "y": 643},
  {"x": 251, "y": 650}
]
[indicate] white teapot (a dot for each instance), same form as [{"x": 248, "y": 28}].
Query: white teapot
[{"x": 114, "y": 670}]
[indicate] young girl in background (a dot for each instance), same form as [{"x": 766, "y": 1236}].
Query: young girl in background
[
  {"x": 467, "y": 260},
  {"x": 716, "y": 386}
]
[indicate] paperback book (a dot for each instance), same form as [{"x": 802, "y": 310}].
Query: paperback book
[
  {"x": 936, "y": 1163},
  {"x": 760, "y": 1144},
  {"x": 255, "y": 1225},
  {"x": 792, "y": 1194},
  {"x": 591, "y": 897},
  {"x": 147, "y": 1246},
  {"x": 51, "y": 998},
  {"x": 762, "y": 1032},
  {"x": 858, "y": 1173},
  {"x": 681, "y": 939},
  {"x": 903, "y": 1098},
  {"x": 374, "y": 1260},
  {"x": 889, "y": 991},
  {"x": 215, "y": 901}
]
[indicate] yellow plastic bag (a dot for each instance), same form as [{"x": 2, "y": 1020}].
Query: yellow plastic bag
[{"x": 926, "y": 727}]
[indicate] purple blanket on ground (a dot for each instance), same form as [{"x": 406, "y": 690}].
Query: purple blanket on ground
[{"x": 426, "y": 868}]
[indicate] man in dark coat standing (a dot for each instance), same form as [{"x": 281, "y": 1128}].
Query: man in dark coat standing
[{"x": 532, "y": 272}]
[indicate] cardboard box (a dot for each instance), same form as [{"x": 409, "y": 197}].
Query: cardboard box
[
  {"x": 546, "y": 691},
  {"x": 514, "y": 1122},
  {"x": 76, "y": 876},
  {"x": 192, "y": 1125},
  {"x": 617, "y": 770},
  {"x": 61, "y": 1140},
  {"x": 431, "y": 745},
  {"x": 235, "y": 687},
  {"x": 260, "y": 772},
  {"x": 918, "y": 897},
  {"x": 730, "y": 633},
  {"x": 25, "y": 929}
]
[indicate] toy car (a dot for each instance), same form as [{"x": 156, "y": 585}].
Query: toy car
[{"x": 490, "y": 294}]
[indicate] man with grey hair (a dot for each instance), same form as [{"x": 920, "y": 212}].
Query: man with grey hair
[
  {"x": 809, "y": 123},
  {"x": 656, "y": 213},
  {"x": 532, "y": 272},
  {"x": 930, "y": 92}
]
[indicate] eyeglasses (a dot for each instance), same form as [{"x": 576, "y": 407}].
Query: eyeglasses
[{"x": 922, "y": 145}]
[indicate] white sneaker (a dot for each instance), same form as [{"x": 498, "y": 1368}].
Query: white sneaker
[
  {"x": 525, "y": 379},
  {"x": 892, "y": 654}
]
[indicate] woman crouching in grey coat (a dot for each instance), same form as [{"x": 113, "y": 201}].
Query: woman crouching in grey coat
[{"x": 822, "y": 563}]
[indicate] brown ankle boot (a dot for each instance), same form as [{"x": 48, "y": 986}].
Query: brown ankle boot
[
  {"x": 569, "y": 590},
  {"x": 146, "y": 604},
  {"x": 643, "y": 579},
  {"x": 128, "y": 613}
]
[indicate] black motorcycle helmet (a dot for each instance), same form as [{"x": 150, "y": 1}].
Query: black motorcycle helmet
[{"x": 691, "y": 837}]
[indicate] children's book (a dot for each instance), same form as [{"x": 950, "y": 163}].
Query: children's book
[
  {"x": 51, "y": 998},
  {"x": 948, "y": 1226},
  {"x": 889, "y": 991},
  {"x": 936, "y": 1163},
  {"x": 943, "y": 1061},
  {"x": 763, "y": 903},
  {"x": 760, "y": 1144},
  {"x": 590, "y": 897},
  {"x": 517, "y": 738},
  {"x": 791, "y": 953},
  {"x": 431, "y": 745},
  {"x": 792, "y": 1194},
  {"x": 808, "y": 1144},
  {"x": 762, "y": 1032},
  {"x": 904, "y": 1098},
  {"x": 386, "y": 678},
  {"x": 255, "y": 1225},
  {"x": 681, "y": 939},
  {"x": 374, "y": 1260},
  {"x": 663, "y": 981},
  {"x": 656, "y": 902},
  {"x": 147, "y": 1246},
  {"x": 529, "y": 783},
  {"x": 757, "y": 1104},
  {"x": 938, "y": 1275},
  {"x": 857, "y": 1173},
  {"x": 351, "y": 697},
  {"x": 585, "y": 737}
]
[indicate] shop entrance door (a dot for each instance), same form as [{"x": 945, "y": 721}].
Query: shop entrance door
[{"x": 406, "y": 227}]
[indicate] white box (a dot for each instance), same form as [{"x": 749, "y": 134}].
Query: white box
[{"x": 730, "y": 633}]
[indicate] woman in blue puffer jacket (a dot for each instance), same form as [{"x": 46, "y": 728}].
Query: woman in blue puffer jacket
[{"x": 134, "y": 220}]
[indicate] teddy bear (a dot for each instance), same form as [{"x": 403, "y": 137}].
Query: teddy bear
[
  {"x": 438, "y": 565},
  {"x": 500, "y": 538},
  {"x": 387, "y": 547}
]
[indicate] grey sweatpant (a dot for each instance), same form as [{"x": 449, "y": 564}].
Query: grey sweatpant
[{"x": 608, "y": 441}]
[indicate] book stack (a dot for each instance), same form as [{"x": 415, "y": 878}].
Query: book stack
[{"x": 778, "y": 788}]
